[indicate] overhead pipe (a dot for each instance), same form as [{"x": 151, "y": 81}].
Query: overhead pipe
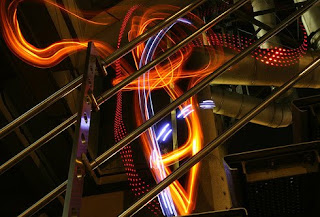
[
  {"x": 311, "y": 22},
  {"x": 253, "y": 72},
  {"x": 236, "y": 105},
  {"x": 268, "y": 19}
]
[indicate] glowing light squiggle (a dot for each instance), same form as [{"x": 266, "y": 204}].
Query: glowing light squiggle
[{"x": 176, "y": 199}]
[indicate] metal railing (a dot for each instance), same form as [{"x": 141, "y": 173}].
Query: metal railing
[{"x": 157, "y": 117}]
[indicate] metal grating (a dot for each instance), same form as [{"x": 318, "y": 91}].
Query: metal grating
[{"x": 277, "y": 197}]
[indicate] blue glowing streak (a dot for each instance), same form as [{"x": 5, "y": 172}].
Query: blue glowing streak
[
  {"x": 167, "y": 134},
  {"x": 163, "y": 130},
  {"x": 207, "y": 104},
  {"x": 184, "y": 111},
  {"x": 188, "y": 113},
  {"x": 145, "y": 101}
]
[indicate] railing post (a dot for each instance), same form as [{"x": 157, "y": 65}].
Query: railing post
[{"x": 80, "y": 144}]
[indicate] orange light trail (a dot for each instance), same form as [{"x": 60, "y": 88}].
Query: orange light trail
[{"x": 164, "y": 76}]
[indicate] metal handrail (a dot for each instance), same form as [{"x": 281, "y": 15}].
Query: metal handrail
[
  {"x": 37, "y": 144},
  {"x": 160, "y": 115},
  {"x": 74, "y": 84},
  {"x": 45, "y": 200},
  {"x": 109, "y": 60},
  {"x": 40, "y": 107},
  {"x": 200, "y": 155}
]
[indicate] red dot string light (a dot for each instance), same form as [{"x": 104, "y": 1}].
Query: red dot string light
[{"x": 138, "y": 185}]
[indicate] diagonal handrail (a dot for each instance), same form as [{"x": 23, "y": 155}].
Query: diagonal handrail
[
  {"x": 197, "y": 88},
  {"x": 45, "y": 200},
  {"x": 65, "y": 90},
  {"x": 218, "y": 141},
  {"x": 37, "y": 144}
]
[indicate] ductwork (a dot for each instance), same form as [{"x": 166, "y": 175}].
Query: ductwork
[
  {"x": 268, "y": 19},
  {"x": 311, "y": 22},
  {"x": 236, "y": 105},
  {"x": 253, "y": 72}
]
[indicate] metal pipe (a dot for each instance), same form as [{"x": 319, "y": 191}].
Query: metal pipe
[
  {"x": 246, "y": 17},
  {"x": 253, "y": 72},
  {"x": 268, "y": 19},
  {"x": 311, "y": 23},
  {"x": 141, "y": 38},
  {"x": 37, "y": 144},
  {"x": 218, "y": 141},
  {"x": 40, "y": 107},
  {"x": 236, "y": 105},
  {"x": 106, "y": 95},
  {"x": 133, "y": 135},
  {"x": 45, "y": 200}
]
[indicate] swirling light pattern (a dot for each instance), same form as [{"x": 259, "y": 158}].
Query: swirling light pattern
[{"x": 178, "y": 198}]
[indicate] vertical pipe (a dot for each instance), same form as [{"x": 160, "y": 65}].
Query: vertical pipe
[
  {"x": 268, "y": 19},
  {"x": 311, "y": 22}
]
